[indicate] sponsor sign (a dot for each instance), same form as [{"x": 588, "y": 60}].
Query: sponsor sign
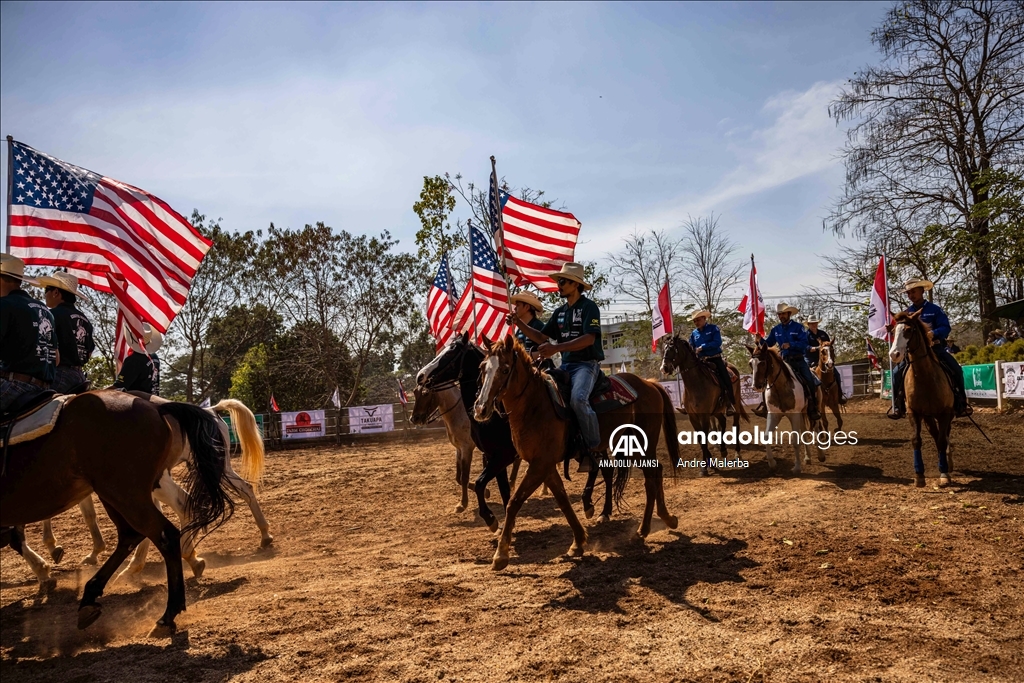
[
  {"x": 846, "y": 378},
  {"x": 980, "y": 380},
  {"x": 748, "y": 394},
  {"x": 674, "y": 387},
  {"x": 305, "y": 424},
  {"x": 234, "y": 434},
  {"x": 1013, "y": 379},
  {"x": 886, "y": 385},
  {"x": 368, "y": 419}
]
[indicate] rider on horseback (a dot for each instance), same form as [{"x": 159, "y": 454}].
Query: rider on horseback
[
  {"x": 815, "y": 337},
  {"x": 74, "y": 331},
  {"x": 528, "y": 306},
  {"x": 576, "y": 327},
  {"x": 935, "y": 318},
  {"x": 28, "y": 352},
  {"x": 706, "y": 340},
  {"x": 791, "y": 338},
  {"x": 141, "y": 369}
]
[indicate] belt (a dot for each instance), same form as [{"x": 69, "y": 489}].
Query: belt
[{"x": 17, "y": 376}]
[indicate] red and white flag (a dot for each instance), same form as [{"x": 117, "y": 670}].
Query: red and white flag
[
  {"x": 488, "y": 321},
  {"x": 872, "y": 356},
  {"x": 129, "y": 319},
  {"x": 66, "y": 216},
  {"x": 661, "y": 317},
  {"x": 273, "y": 404},
  {"x": 878, "y": 307},
  {"x": 752, "y": 305},
  {"x": 440, "y": 305}
]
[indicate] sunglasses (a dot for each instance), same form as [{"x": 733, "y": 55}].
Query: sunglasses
[{"x": 561, "y": 281}]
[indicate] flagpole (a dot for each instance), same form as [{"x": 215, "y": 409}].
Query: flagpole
[
  {"x": 10, "y": 191},
  {"x": 888, "y": 314},
  {"x": 472, "y": 289},
  {"x": 500, "y": 233}
]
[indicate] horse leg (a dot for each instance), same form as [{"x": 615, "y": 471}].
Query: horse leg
[
  {"x": 98, "y": 544},
  {"x": 723, "y": 448},
  {"x": 170, "y": 494},
  {"x": 35, "y": 562},
  {"x": 588, "y": 494},
  {"x": 671, "y": 521},
  {"x": 940, "y": 438},
  {"x": 462, "y": 467},
  {"x": 770, "y": 425},
  {"x": 650, "y": 495},
  {"x": 138, "y": 562},
  {"x": 531, "y": 482},
  {"x": 796, "y": 422},
  {"x": 918, "y": 459},
  {"x": 246, "y": 491},
  {"x": 50, "y": 541},
  {"x": 608, "y": 473},
  {"x": 579, "y": 534},
  {"x": 515, "y": 472},
  {"x": 479, "y": 488},
  {"x": 504, "y": 488}
]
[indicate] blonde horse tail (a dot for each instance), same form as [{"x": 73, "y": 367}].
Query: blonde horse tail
[{"x": 249, "y": 437}]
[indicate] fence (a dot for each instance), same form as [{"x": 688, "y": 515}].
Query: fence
[
  {"x": 337, "y": 423},
  {"x": 999, "y": 381}
]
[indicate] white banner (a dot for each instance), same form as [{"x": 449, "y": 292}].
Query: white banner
[
  {"x": 1013, "y": 379},
  {"x": 845, "y": 378},
  {"x": 305, "y": 424},
  {"x": 674, "y": 387},
  {"x": 748, "y": 394},
  {"x": 364, "y": 419}
]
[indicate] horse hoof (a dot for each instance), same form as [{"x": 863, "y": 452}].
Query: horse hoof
[
  {"x": 821, "y": 457},
  {"x": 493, "y": 525},
  {"x": 703, "y": 473},
  {"x": 89, "y": 559},
  {"x": 265, "y": 543},
  {"x": 588, "y": 511},
  {"x": 641, "y": 533},
  {"x": 575, "y": 550},
  {"x": 47, "y": 585},
  {"x": 604, "y": 519},
  {"x": 944, "y": 481},
  {"x": 87, "y": 615},
  {"x": 198, "y": 568},
  {"x": 162, "y": 631},
  {"x": 672, "y": 522},
  {"x": 57, "y": 554},
  {"x": 499, "y": 563},
  {"x": 460, "y": 508},
  {"x": 919, "y": 481}
]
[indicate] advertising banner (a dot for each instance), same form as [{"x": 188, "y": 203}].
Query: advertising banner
[
  {"x": 305, "y": 424},
  {"x": 368, "y": 419},
  {"x": 980, "y": 380},
  {"x": 886, "y": 385},
  {"x": 674, "y": 387},
  {"x": 1013, "y": 379},
  {"x": 748, "y": 394},
  {"x": 846, "y": 378}
]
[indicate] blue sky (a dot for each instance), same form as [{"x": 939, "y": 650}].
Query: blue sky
[{"x": 633, "y": 116}]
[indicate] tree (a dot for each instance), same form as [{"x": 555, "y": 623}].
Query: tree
[
  {"x": 934, "y": 121},
  {"x": 643, "y": 265},
  {"x": 708, "y": 261},
  {"x": 436, "y": 236}
]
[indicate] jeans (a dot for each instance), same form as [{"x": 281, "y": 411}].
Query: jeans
[
  {"x": 723, "y": 378},
  {"x": 583, "y": 375},
  {"x": 67, "y": 378},
  {"x": 799, "y": 365},
  {"x": 11, "y": 389},
  {"x": 899, "y": 374}
]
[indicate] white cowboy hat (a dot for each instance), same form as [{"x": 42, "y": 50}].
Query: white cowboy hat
[
  {"x": 62, "y": 280},
  {"x": 813, "y": 320},
  {"x": 573, "y": 271},
  {"x": 918, "y": 282},
  {"x": 530, "y": 299},
  {"x": 154, "y": 340},
  {"x": 786, "y": 308},
  {"x": 700, "y": 314},
  {"x": 12, "y": 266}
]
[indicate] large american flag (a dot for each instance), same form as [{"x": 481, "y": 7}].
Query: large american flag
[
  {"x": 488, "y": 283},
  {"x": 488, "y": 321},
  {"x": 440, "y": 305},
  {"x": 66, "y": 216},
  {"x": 536, "y": 241}
]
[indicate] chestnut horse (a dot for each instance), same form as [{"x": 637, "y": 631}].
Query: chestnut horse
[
  {"x": 928, "y": 390},
  {"x": 826, "y": 372},
  {"x": 543, "y": 439},
  {"x": 702, "y": 394},
  {"x": 86, "y": 452}
]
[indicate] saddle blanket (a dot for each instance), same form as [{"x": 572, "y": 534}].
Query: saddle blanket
[
  {"x": 613, "y": 392},
  {"x": 36, "y": 424}
]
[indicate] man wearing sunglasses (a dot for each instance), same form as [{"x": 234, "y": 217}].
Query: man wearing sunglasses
[{"x": 576, "y": 328}]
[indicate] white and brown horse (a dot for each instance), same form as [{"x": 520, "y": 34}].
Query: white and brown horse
[{"x": 826, "y": 372}]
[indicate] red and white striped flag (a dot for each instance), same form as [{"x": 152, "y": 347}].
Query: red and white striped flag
[
  {"x": 752, "y": 305},
  {"x": 536, "y": 241},
  {"x": 66, "y": 216},
  {"x": 661, "y": 317},
  {"x": 129, "y": 319},
  {"x": 878, "y": 306},
  {"x": 488, "y": 322},
  {"x": 440, "y": 305},
  {"x": 872, "y": 356}
]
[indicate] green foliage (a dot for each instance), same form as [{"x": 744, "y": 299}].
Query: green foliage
[
  {"x": 974, "y": 355},
  {"x": 100, "y": 372},
  {"x": 436, "y": 236}
]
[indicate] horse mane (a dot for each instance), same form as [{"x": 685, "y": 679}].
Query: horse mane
[
  {"x": 922, "y": 327},
  {"x": 785, "y": 366}
]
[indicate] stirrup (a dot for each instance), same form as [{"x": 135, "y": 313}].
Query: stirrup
[
  {"x": 895, "y": 413},
  {"x": 761, "y": 410},
  {"x": 966, "y": 411}
]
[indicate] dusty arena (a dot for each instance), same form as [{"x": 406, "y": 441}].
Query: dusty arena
[{"x": 846, "y": 572}]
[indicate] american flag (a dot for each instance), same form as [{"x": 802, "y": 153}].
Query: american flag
[
  {"x": 488, "y": 322},
  {"x": 439, "y": 305},
  {"x": 536, "y": 241},
  {"x": 66, "y": 216},
  {"x": 488, "y": 284}
]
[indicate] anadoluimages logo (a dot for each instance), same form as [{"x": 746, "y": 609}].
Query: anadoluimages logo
[{"x": 627, "y": 447}]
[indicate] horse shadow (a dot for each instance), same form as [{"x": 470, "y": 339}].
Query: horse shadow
[
  {"x": 995, "y": 482},
  {"x": 668, "y": 569},
  {"x": 853, "y": 476}
]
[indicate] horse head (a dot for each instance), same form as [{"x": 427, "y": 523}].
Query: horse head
[
  {"x": 425, "y": 406},
  {"x": 446, "y": 368},
  {"x": 679, "y": 355},
  {"x": 502, "y": 360},
  {"x": 909, "y": 334},
  {"x": 825, "y": 360},
  {"x": 761, "y": 360}
]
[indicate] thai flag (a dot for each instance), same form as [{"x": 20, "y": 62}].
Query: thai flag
[{"x": 872, "y": 356}]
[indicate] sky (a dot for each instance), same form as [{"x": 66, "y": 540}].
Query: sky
[{"x": 632, "y": 116}]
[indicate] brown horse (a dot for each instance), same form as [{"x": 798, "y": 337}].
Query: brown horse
[
  {"x": 446, "y": 404},
  {"x": 927, "y": 388},
  {"x": 86, "y": 452},
  {"x": 542, "y": 439},
  {"x": 702, "y": 394},
  {"x": 826, "y": 372}
]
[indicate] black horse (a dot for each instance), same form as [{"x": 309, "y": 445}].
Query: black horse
[{"x": 459, "y": 363}]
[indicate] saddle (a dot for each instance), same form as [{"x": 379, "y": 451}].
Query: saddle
[
  {"x": 609, "y": 393},
  {"x": 30, "y": 417}
]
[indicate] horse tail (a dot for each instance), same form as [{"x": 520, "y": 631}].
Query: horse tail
[
  {"x": 249, "y": 437},
  {"x": 208, "y": 501},
  {"x": 669, "y": 427}
]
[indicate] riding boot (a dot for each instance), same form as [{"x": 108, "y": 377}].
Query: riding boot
[
  {"x": 762, "y": 408},
  {"x": 898, "y": 409},
  {"x": 961, "y": 407},
  {"x": 842, "y": 398}
]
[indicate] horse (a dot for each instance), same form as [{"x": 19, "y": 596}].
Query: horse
[
  {"x": 543, "y": 439},
  {"x": 785, "y": 397},
  {"x": 929, "y": 393},
  {"x": 825, "y": 371},
  {"x": 457, "y": 367},
  {"x": 87, "y": 452},
  {"x": 702, "y": 394},
  {"x": 169, "y": 493}
]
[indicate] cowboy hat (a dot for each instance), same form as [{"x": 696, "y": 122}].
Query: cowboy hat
[
  {"x": 786, "y": 308},
  {"x": 918, "y": 282},
  {"x": 12, "y": 266},
  {"x": 573, "y": 271},
  {"x": 530, "y": 299},
  {"x": 700, "y": 314},
  {"x": 61, "y": 280},
  {"x": 153, "y": 339},
  {"x": 813, "y": 320}
]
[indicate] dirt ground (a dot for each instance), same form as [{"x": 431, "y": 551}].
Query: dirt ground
[{"x": 846, "y": 572}]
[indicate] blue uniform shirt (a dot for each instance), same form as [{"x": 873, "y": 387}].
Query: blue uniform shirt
[
  {"x": 710, "y": 338},
  {"x": 792, "y": 333},
  {"x": 934, "y": 317}
]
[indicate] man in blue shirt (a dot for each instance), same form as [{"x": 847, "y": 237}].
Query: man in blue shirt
[
  {"x": 815, "y": 338},
  {"x": 935, "y": 318},
  {"x": 791, "y": 338},
  {"x": 706, "y": 340}
]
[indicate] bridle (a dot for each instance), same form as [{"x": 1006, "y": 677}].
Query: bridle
[
  {"x": 770, "y": 362},
  {"x": 504, "y": 387},
  {"x": 458, "y": 357}
]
